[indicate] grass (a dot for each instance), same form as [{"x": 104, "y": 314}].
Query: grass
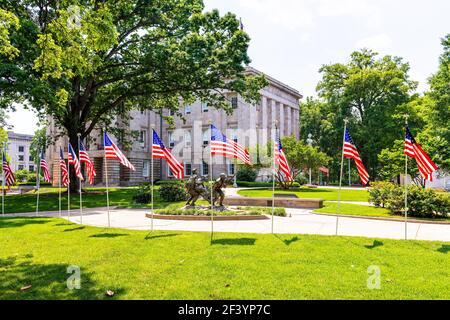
[
  {"x": 95, "y": 197},
  {"x": 366, "y": 211},
  {"x": 304, "y": 192},
  {"x": 183, "y": 265}
]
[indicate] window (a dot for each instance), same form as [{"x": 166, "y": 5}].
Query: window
[
  {"x": 20, "y": 157},
  {"x": 187, "y": 109},
  {"x": 171, "y": 113},
  {"x": 187, "y": 169},
  {"x": 234, "y": 134},
  {"x": 187, "y": 139},
  {"x": 205, "y": 107},
  {"x": 21, "y": 148},
  {"x": 205, "y": 169},
  {"x": 169, "y": 172},
  {"x": 31, "y": 168},
  {"x": 142, "y": 136},
  {"x": 230, "y": 167},
  {"x": 146, "y": 168},
  {"x": 234, "y": 102},
  {"x": 206, "y": 137},
  {"x": 20, "y": 167},
  {"x": 30, "y": 158},
  {"x": 171, "y": 142}
]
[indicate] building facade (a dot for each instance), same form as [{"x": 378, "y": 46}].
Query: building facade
[
  {"x": 19, "y": 151},
  {"x": 250, "y": 125}
]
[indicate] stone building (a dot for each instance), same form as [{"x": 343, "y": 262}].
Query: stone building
[
  {"x": 250, "y": 125},
  {"x": 19, "y": 151}
]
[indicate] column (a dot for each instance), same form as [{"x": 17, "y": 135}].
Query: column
[{"x": 281, "y": 118}]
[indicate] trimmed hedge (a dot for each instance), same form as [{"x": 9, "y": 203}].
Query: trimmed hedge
[
  {"x": 173, "y": 192},
  {"x": 422, "y": 203}
]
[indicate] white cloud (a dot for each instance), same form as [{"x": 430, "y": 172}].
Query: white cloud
[
  {"x": 22, "y": 120},
  {"x": 380, "y": 43},
  {"x": 303, "y": 14}
]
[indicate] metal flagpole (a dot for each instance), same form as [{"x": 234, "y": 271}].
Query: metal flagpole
[
  {"x": 341, "y": 173},
  {"x": 3, "y": 183},
  {"x": 406, "y": 187},
  {"x": 59, "y": 184},
  {"x": 273, "y": 173},
  {"x": 68, "y": 184},
  {"x": 212, "y": 182},
  {"x": 106, "y": 180},
  {"x": 81, "y": 194},
  {"x": 38, "y": 181},
  {"x": 151, "y": 174}
]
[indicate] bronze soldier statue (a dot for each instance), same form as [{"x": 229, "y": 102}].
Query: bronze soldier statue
[{"x": 195, "y": 188}]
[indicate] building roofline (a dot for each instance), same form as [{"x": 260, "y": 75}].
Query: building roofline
[
  {"x": 275, "y": 82},
  {"x": 14, "y": 135}
]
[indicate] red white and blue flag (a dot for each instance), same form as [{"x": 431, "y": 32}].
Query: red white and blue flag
[
  {"x": 280, "y": 158},
  {"x": 159, "y": 151},
  {"x": 7, "y": 172},
  {"x": 351, "y": 152},
  {"x": 73, "y": 160},
  {"x": 45, "y": 170},
  {"x": 424, "y": 163},
  {"x": 113, "y": 152},
  {"x": 90, "y": 168},
  {"x": 64, "y": 173},
  {"x": 221, "y": 145}
]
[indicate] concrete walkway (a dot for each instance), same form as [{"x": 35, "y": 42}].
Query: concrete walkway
[{"x": 299, "y": 222}]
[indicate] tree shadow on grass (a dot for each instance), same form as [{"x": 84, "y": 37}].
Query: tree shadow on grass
[
  {"x": 375, "y": 244},
  {"x": 150, "y": 237},
  {"x": 108, "y": 235},
  {"x": 444, "y": 249},
  {"x": 14, "y": 222},
  {"x": 48, "y": 281},
  {"x": 234, "y": 242}
]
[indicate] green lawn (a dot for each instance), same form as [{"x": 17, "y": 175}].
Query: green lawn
[
  {"x": 326, "y": 194},
  {"x": 354, "y": 210},
  {"x": 183, "y": 265},
  {"x": 48, "y": 200}
]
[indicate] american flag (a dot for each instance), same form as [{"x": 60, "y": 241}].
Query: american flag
[
  {"x": 64, "y": 172},
  {"x": 84, "y": 158},
  {"x": 73, "y": 160},
  {"x": 159, "y": 151},
  {"x": 351, "y": 152},
  {"x": 221, "y": 145},
  {"x": 280, "y": 158},
  {"x": 424, "y": 163},
  {"x": 8, "y": 174},
  {"x": 45, "y": 170},
  {"x": 114, "y": 153}
]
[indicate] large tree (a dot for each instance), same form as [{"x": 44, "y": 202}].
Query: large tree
[
  {"x": 88, "y": 62},
  {"x": 372, "y": 93}
]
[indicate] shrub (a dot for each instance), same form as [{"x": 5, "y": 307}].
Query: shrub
[
  {"x": 173, "y": 192},
  {"x": 246, "y": 173},
  {"x": 379, "y": 193},
  {"x": 21, "y": 175},
  {"x": 143, "y": 194},
  {"x": 31, "y": 177},
  {"x": 301, "y": 180}
]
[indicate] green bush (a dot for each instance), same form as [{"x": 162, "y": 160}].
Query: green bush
[
  {"x": 246, "y": 184},
  {"x": 422, "y": 203},
  {"x": 246, "y": 173},
  {"x": 173, "y": 192},
  {"x": 379, "y": 193},
  {"x": 31, "y": 177},
  {"x": 143, "y": 194},
  {"x": 301, "y": 180},
  {"x": 21, "y": 175}
]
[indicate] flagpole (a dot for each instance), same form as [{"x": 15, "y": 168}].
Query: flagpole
[
  {"x": 59, "y": 184},
  {"x": 68, "y": 175},
  {"x": 3, "y": 185},
  {"x": 81, "y": 195},
  {"x": 273, "y": 174},
  {"x": 406, "y": 186},
  {"x": 106, "y": 179},
  {"x": 349, "y": 174},
  {"x": 212, "y": 182},
  {"x": 151, "y": 174},
  {"x": 38, "y": 180},
  {"x": 341, "y": 173}
]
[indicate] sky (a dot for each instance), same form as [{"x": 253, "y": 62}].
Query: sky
[{"x": 292, "y": 39}]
